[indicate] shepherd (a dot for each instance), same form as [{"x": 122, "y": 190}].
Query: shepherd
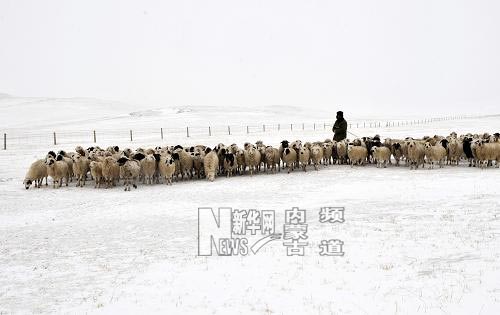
[{"x": 340, "y": 127}]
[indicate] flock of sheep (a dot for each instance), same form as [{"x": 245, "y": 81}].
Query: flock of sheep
[{"x": 107, "y": 167}]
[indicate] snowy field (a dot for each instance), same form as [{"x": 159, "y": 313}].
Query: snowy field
[{"x": 424, "y": 241}]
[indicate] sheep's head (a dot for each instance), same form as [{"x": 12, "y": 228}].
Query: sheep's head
[
  {"x": 27, "y": 183},
  {"x": 315, "y": 149},
  {"x": 77, "y": 157},
  {"x": 411, "y": 144},
  {"x": 50, "y": 160},
  {"x": 374, "y": 149},
  {"x": 427, "y": 145},
  {"x": 444, "y": 143},
  {"x": 284, "y": 143},
  {"x": 121, "y": 161},
  {"x": 396, "y": 146}
]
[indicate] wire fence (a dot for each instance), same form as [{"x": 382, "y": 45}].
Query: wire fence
[{"x": 15, "y": 138}]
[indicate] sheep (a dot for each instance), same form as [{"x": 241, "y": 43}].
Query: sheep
[
  {"x": 487, "y": 152},
  {"x": 342, "y": 152},
  {"x": 316, "y": 155},
  {"x": 240, "y": 161},
  {"x": 185, "y": 164},
  {"x": 110, "y": 171},
  {"x": 397, "y": 151},
  {"x": 435, "y": 153},
  {"x": 81, "y": 166},
  {"x": 272, "y": 158},
  {"x": 36, "y": 173},
  {"x": 130, "y": 170},
  {"x": 198, "y": 163},
  {"x": 167, "y": 168},
  {"x": 327, "y": 152},
  {"x": 382, "y": 155},
  {"x": 252, "y": 158},
  {"x": 229, "y": 164},
  {"x": 289, "y": 158},
  {"x": 455, "y": 150},
  {"x": 57, "y": 169},
  {"x": 304, "y": 156},
  {"x": 210, "y": 163},
  {"x": 96, "y": 171},
  {"x": 284, "y": 144},
  {"x": 357, "y": 154},
  {"x": 148, "y": 168},
  {"x": 415, "y": 154}
]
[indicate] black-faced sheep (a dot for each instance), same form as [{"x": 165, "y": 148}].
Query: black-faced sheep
[
  {"x": 167, "y": 168},
  {"x": 130, "y": 170},
  {"x": 57, "y": 169},
  {"x": 36, "y": 173}
]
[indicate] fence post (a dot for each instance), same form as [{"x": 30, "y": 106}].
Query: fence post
[
  {"x": 5, "y": 141},
  {"x": 314, "y": 126},
  {"x": 131, "y": 138},
  {"x": 324, "y": 126},
  {"x": 55, "y": 139},
  {"x": 302, "y": 126},
  {"x": 364, "y": 124},
  {"x": 161, "y": 132},
  {"x": 229, "y": 130},
  {"x": 291, "y": 126},
  {"x": 209, "y": 131},
  {"x": 278, "y": 127},
  {"x": 264, "y": 128},
  {"x": 247, "y": 130},
  {"x": 187, "y": 132}
]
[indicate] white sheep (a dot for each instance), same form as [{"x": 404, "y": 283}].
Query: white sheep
[
  {"x": 240, "y": 161},
  {"x": 130, "y": 170},
  {"x": 416, "y": 153},
  {"x": 252, "y": 158},
  {"x": 434, "y": 154},
  {"x": 327, "y": 152},
  {"x": 211, "y": 164},
  {"x": 304, "y": 156},
  {"x": 148, "y": 168},
  {"x": 455, "y": 150},
  {"x": 57, "y": 169},
  {"x": 357, "y": 154},
  {"x": 185, "y": 164},
  {"x": 272, "y": 159},
  {"x": 382, "y": 155},
  {"x": 110, "y": 171},
  {"x": 342, "y": 152},
  {"x": 36, "y": 173},
  {"x": 96, "y": 172},
  {"x": 487, "y": 152},
  {"x": 316, "y": 155},
  {"x": 81, "y": 166}
]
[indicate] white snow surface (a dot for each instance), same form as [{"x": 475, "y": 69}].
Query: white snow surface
[{"x": 424, "y": 241}]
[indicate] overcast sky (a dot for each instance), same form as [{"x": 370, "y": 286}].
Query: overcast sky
[{"x": 383, "y": 55}]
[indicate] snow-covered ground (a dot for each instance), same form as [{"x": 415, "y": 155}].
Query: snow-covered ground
[{"x": 424, "y": 241}]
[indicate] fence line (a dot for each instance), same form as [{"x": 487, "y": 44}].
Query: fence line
[{"x": 191, "y": 131}]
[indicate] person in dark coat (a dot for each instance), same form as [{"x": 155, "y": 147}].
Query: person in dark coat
[{"x": 340, "y": 127}]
